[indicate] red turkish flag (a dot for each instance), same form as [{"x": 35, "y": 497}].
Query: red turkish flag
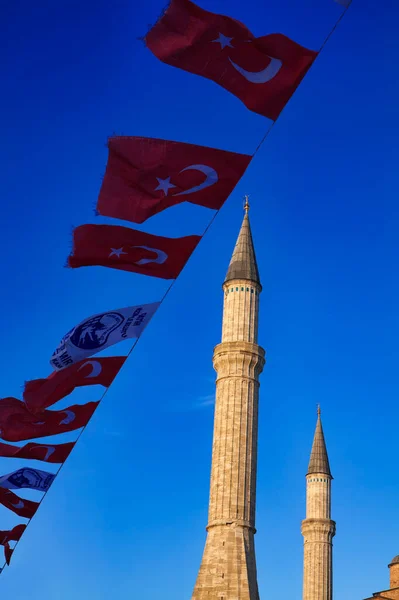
[
  {"x": 51, "y": 453},
  {"x": 12, "y": 535},
  {"x": 145, "y": 176},
  {"x": 262, "y": 72},
  {"x": 131, "y": 250},
  {"x": 18, "y": 424},
  {"x": 20, "y": 506},
  {"x": 8, "y": 536},
  {"x": 41, "y": 393}
]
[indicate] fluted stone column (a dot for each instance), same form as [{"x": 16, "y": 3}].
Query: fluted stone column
[
  {"x": 318, "y": 529},
  {"x": 228, "y": 567}
]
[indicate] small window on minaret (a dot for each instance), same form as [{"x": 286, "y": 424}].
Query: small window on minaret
[
  {"x": 247, "y": 289},
  {"x": 252, "y": 291},
  {"x": 236, "y": 289}
]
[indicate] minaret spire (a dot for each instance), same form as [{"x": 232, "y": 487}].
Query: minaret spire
[
  {"x": 243, "y": 263},
  {"x": 319, "y": 462},
  {"x": 318, "y": 529},
  {"x": 228, "y": 567}
]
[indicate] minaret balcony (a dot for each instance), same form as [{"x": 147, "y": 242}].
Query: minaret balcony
[{"x": 238, "y": 359}]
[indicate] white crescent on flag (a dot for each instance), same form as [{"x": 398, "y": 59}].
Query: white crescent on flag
[
  {"x": 70, "y": 417},
  {"x": 49, "y": 451},
  {"x": 96, "y": 368},
  {"x": 262, "y": 76},
  {"x": 160, "y": 259},
  {"x": 211, "y": 178}
]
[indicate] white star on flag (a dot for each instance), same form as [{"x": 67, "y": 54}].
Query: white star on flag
[
  {"x": 164, "y": 185},
  {"x": 117, "y": 252},
  {"x": 224, "y": 41}
]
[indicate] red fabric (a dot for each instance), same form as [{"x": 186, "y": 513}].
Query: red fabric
[
  {"x": 51, "y": 453},
  {"x": 138, "y": 166},
  {"x": 12, "y": 534},
  {"x": 20, "y": 506},
  {"x": 18, "y": 424},
  {"x": 127, "y": 249},
  {"x": 7, "y": 536},
  {"x": 8, "y": 553},
  {"x": 184, "y": 38},
  {"x": 41, "y": 393}
]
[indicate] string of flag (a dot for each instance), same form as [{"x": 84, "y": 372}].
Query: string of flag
[{"x": 143, "y": 177}]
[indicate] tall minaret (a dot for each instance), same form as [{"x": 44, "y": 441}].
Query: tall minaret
[
  {"x": 228, "y": 568},
  {"x": 318, "y": 529}
]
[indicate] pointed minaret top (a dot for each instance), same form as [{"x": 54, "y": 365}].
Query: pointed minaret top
[
  {"x": 319, "y": 458},
  {"x": 243, "y": 262}
]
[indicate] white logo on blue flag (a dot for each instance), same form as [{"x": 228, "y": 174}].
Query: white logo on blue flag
[
  {"x": 27, "y": 478},
  {"x": 101, "y": 331}
]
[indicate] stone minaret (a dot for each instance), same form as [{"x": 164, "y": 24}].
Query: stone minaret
[
  {"x": 228, "y": 568},
  {"x": 318, "y": 529}
]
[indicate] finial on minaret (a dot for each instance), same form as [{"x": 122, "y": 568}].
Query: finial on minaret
[
  {"x": 246, "y": 204},
  {"x": 318, "y": 410}
]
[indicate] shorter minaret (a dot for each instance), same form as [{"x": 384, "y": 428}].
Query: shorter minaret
[{"x": 318, "y": 529}]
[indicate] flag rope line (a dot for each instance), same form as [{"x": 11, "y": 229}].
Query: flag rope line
[
  {"x": 105, "y": 392},
  {"x": 310, "y": 68},
  {"x": 174, "y": 281}
]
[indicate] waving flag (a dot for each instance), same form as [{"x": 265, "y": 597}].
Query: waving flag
[
  {"x": 20, "y": 506},
  {"x": 145, "y": 176},
  {"x": 131, "y": 250},
  {"x": 56, "y": 453},
  {"x": 7, "y": 536},
  {"x": 18, "y": 424},
  {"x": 263, "y": 72},
  {"x": 101, "y": 331},
  {"x": 27, "y": 477},
  {"x": 13, "y": 535},
  {"x": 41, "y": 393}
]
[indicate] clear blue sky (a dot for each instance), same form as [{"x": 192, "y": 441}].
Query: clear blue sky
[{"x": 126, "y": 518}]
